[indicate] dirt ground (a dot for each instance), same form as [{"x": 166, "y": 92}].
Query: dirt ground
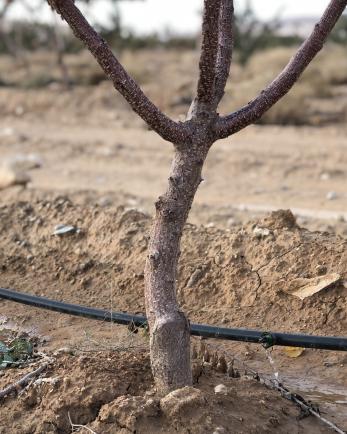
[{"x": 90, "y": 163}]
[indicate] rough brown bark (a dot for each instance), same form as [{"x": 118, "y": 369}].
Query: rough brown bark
[
  {"x": 225, "y": 49},
  {"x": 208, "y": 58},
  {"x": 170, "y": 335}
]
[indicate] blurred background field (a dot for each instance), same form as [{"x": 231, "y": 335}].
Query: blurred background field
[
  {"x": 168, "y": 76},
  {"x": 38, "y": 58}
]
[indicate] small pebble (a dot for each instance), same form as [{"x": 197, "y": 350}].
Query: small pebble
[
  {"x": 63, "y": 350},
  {"x": 220, "y": 430},
  {"x": 65, "y": 229},
  {"x": 332, "y": 195},
  {"x": 221, "y": 389},
  {"x": 321, "y": 270},
  {"x": 261, "y": 232},
  {"x": 325, "y": 176}
]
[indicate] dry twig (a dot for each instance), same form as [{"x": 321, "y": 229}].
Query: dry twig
[
  {"x": 75, "y": 426},
  {"x": 23, "y": 381}
]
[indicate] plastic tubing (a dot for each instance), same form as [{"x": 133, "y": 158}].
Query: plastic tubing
[{"x": 266, "y": 338}]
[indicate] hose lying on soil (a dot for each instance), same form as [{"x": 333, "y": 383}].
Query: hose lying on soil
[{"x": 267, "y": 339}]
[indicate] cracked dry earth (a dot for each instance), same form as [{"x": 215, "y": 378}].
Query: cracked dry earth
[{"x": 100, "y": 374}]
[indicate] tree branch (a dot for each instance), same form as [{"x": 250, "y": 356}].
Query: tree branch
[
  {"x": 168, "y": 129},
  {"x": 208, "y": 58},
  {"x": 253, "y": 111},
  {"x": 225, "y": 49},
  {"x": 22, "y": 381}
]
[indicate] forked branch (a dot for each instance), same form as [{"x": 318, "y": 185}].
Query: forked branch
[
  {"x": 168, "y": 129},
  {"x": 286, "y": 79}
]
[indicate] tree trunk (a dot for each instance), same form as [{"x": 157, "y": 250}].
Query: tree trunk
[{"x": 169, "y": 328}]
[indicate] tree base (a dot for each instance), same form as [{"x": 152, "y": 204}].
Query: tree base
[{"x": 170, "y": 352}]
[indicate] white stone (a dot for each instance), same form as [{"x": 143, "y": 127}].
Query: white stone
[
  {"x": 9, "y": 177},
  {"x": 219, "y": 430},
  {"x": 332, "y": 195},
  {"x": 24, "y": 162},
  {"x": 324, "y": 176},
  {"x": 261, "y": 232},
  {"x": 221, "y": 389}
]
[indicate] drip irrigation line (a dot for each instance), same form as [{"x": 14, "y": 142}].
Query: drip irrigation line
[{"x": 267, "y": 339}]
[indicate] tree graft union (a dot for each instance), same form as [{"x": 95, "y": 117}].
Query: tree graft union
[{"x": 192, "y": 139}]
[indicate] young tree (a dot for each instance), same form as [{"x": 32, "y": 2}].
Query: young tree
[{"x": 192, "y": 139}]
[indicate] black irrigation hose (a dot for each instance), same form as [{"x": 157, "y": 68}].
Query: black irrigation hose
[{"x": 267, "y": 339}]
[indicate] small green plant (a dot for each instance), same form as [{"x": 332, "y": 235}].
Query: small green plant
[{"x": 14, "y": 352}]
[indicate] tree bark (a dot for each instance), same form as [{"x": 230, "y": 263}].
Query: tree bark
[{"x": 169, "y": 327}]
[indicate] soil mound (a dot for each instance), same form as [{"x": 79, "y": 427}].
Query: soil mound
[
  {"x": 92, "y": 256},
  {"x": 113, "y": 393},
  {"x": 241, "y": 278}
]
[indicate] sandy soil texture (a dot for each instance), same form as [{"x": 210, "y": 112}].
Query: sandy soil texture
[{"x": 233, "y": 278}]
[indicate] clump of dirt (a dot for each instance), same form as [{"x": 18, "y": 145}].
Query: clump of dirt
[
  {"x": 75, "y": 385},
  {"x": 281, "y": 219},
  {"x": 113, "y": 393}
]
